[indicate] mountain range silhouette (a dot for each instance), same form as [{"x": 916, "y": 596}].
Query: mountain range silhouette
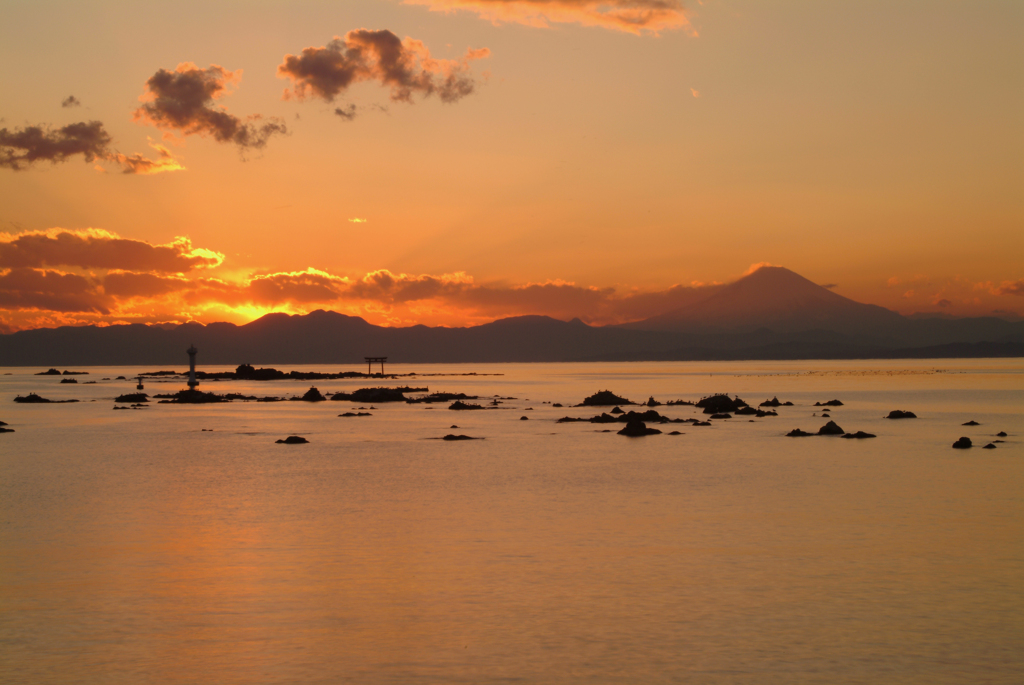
[{"x": 772, "y": 313}]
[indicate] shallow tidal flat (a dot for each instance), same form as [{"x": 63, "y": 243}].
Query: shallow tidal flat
[{"x": 182, "y": 544}]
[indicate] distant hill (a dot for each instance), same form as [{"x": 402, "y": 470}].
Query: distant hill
[{"x": 771, "y": 314}]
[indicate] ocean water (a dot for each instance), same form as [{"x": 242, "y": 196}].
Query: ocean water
[{"x": 180, "y": 544}]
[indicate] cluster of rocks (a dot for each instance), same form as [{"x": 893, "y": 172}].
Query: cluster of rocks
[
  {"x": 830, "y": 428},
  {"x": 55, "y": 372},
  {"x": 440, "y": 397},
  {"x": 4, "y": 428}
]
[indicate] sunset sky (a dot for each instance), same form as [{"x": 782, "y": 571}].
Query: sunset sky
[{"x": 456, "y": 161}]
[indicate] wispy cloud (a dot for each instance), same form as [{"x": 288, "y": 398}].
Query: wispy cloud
[
  {"x": 70, "y": 101},
  {"x": 183, "y": 101},
  {"x": 633, "y": 16},
  {"x": 405, "y": 66}
]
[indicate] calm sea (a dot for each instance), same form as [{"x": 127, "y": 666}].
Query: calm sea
[{"x": 180, "y": 544}]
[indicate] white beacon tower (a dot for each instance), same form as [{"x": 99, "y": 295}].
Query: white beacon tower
[{"x": 192, "y": 382}]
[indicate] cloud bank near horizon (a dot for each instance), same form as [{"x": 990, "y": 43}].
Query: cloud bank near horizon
[{"x": 76, "y": 277}]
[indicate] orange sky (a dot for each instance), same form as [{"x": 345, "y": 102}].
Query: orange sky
[{"x": 455, "y": 161}]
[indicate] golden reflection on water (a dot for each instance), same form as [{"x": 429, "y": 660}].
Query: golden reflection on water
[{"x": 138, "y": 549}]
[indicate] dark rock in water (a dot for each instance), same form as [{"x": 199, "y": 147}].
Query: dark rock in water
[
  {"x": 362, "y": 413},
  {"x": 748, "y": 411},
  {"x": 120, "y": 378},
  {"x": 51, "y": 372},
  {"x": 2, "y": 423},
  {"x": 617, "y": 411},
  {"x": 451, "y": 437},
  {"x": 69, "y": 380},
  {"x": 33, "y": 398},
  {"x": 859, "y": 434},
  {"x": 897, "y": 414},
  {"x": 998, "y": 441},
  {"x": 651, "y": 402},
  {"x": 962, "y": 443},
  {"x": 441, "y": 397},
  {"x": 190, "y": 397},
  {"x": 761, "y": 414},
  {"x": 371, "y": 395},
  {"x": 312, "y": 395},
  {"x": 292, "y": 440},
  {"x": 571, "y": 419},
  {"x": 604, "y": 398},
  {"x": 787, "y": 404},
  {"x": 75, "y": 373},
  {"x": 721, "y": 416},
  {"x": 453, "y": 426},
  {"x": 675, "y": 433},
  {"x": 524, "y": 418},
  {"x": 676, "y": 403},
  {"x": 830, "y": 428},
  {"x": 1001, "y": 434},
  {"x": 133, "y": 397},
  {"x": 6, "y": 430},
  {"x": 830, "y": 403},
  {"x": 460, "y": 405},
  {"x": 701, "y": 423},
  {"x": 720, "y": 404},
  {"x": 557, "y": 404},
  {"x": 636, "y": 429},
  {"x": 773, "y": 402},
  {"x": 971, "y": 423},
  {"x": 989, "y": 446},
  {"x": 797, "y": 433}
]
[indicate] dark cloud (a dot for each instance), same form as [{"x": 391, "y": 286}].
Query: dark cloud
[
  {"x": 364, "y": 55},
  {"x": 23, "y": 288},
  {"x": 70, "y": 101},
  {"x": 182, "y": 101},
  {"x": 102, "y": 250},
  {"x": 346, "y": 113},
  {"x": 125, "y": 285},
  {"x": 943, "y": 303},
  {"x": 20, "y": 148},
  {"x": 633, "y": 16}
]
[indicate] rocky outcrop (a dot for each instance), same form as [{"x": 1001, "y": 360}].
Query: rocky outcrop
[
  {"x": 604, "y": 398},
  {"x": 830, "y": 403},
  {"x": 859, "y": 435},
  {"x": 720, "y": 404},
  {"x": 962, "y": 444},
  {"x": 349, "y": 413},
  {"x": 830, "y": 428},
  {"x": 69, "y": 380},
  {"x": 371, "y": 395},
  {"x": 971, "y": 423},
  {"x": 190, "y": 397},
  {"x": 458, "y": 405},
  {"x": 898, "y": 414},
  {"x": 440, "y": 397},
  {"x": 450, "y": 437},
  {"x": 312, "y": 395},
  {"x": 293, "y": 440},
  {"x": 797, "y": 433},
  {"x": 636, "y": 428},
  {"x": 989, "y": 446},
  {"x": 134, "y": 397},
  {"x": 33, "y": 398}
]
